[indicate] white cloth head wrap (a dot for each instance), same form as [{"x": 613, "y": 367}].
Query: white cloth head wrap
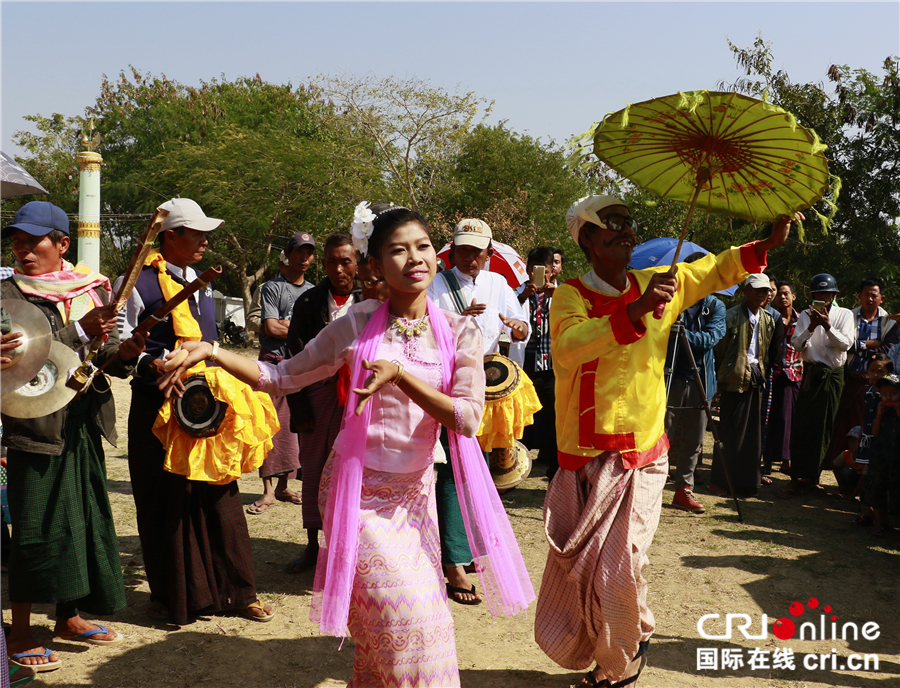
[{"x": 585, "y": 210}]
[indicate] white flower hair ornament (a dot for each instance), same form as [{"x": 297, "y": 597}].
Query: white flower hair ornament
[{"x": 362, "y": 227}]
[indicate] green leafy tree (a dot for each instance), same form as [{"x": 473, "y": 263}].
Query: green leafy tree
[
  {"x": 266, "y": 158},
  {"x": 858, "y": 118},
  {"x": 409, "y": 129},
  {"x": 520, "y": 186}
]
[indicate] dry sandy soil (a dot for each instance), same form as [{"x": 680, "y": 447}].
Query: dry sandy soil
[{"x": 785, "y": 551}]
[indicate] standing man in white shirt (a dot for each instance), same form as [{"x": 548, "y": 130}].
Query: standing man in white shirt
[
  {"x": 823, "y": 334},
  {"x": 469, "y": 289}
]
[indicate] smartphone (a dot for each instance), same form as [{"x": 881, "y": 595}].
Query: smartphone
[
  {"x": 819, "y": 306},
  {"x": 539, "y": 277}
]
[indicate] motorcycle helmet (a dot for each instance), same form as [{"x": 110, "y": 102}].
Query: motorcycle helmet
[{"x": 823, "y": 283}]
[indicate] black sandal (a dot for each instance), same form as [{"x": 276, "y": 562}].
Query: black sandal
[
  {"x": 454, "y": 594},
  {"x": 589, "y": 681},
  {"x": 642, "y": 653}
]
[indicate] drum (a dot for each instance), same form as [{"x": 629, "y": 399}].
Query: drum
[
  {"x": 509, "y": 466},
  {"x": 198, "y": 412},
  {"x": 502, "y": 377},
  {"x": 509, "y": 406}
]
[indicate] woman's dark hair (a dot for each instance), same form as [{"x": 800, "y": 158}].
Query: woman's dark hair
[
  {"x": 388, "y": 218},
  {"x": 877, "y": 358}
]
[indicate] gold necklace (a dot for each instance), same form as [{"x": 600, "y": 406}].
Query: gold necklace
[{"x": 413, "y": 329}]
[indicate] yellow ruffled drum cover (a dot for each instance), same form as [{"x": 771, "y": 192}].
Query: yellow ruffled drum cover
[
  {"x": 505, "y": 419},
  {"x": 241, "y": 443}
]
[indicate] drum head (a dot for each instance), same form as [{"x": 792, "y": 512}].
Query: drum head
[
  {"x": 198, "y": 412},
  {"x": 502, "y": 377}
]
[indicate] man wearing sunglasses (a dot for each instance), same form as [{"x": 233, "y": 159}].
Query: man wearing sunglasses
[{"x": 603, "y": 506}]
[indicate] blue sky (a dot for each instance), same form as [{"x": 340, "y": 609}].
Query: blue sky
[{"x": 552, "y": 69}]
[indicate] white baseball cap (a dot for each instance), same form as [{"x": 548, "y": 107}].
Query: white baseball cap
[
  {"x": 472, "y": 232},
  {"x": 758, "y": 280},
  {"x": 183, "y": 212}
]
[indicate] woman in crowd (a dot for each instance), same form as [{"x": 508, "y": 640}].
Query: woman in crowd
[{"x": 414, "y": 368}]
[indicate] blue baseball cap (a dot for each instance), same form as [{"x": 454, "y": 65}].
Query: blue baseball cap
[{"x": 39, "y": 218}]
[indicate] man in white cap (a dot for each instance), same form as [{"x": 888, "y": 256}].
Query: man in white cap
[
  {"x": 469, "y": 289},
  {"x": 742, "y": 358},
  {"x": 602, "y": 507},
  {"x": 194, "y": 536}
]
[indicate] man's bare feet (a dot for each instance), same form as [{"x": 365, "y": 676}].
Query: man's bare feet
[
  {"x": 464, "y": 592},
  {"x": 288, "y": 496}
]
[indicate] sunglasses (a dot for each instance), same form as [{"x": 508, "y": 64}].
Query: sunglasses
[{"x": 617, "y": 222}]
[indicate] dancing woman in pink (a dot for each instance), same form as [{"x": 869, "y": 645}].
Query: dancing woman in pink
[{"x": 414, "y": 368}]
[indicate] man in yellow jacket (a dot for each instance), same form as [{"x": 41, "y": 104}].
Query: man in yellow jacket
[{"x": 602, "y": 511}]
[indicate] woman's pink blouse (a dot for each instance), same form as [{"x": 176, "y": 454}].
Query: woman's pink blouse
[{"x": 402, "y": 437}]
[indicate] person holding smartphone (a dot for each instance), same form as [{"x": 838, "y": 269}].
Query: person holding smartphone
[
  {"x": 534, "y": 354},
  {"x": 823, "y": 334}
]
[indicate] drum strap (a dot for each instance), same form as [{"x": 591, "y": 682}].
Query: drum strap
[{"x": 455, "y": 289}]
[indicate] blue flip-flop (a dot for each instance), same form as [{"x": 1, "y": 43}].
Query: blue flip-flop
[
  {"x": 88, "y": 636},
  {"x": 46, "y": 666}
]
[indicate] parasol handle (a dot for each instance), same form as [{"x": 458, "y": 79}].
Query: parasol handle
[{"x": 703, "y": 176}]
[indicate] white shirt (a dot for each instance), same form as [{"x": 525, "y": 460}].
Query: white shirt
[
  {"x": 828, "y": 347},
  {"x": 753, "y": 349},
  {"x": 494, "y": 292}
]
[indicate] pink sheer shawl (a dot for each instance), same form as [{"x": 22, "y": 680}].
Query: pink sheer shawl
[{"x": 499, "y": 562}]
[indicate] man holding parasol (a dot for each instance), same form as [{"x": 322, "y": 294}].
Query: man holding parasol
[{"x": 602, "y": 511}]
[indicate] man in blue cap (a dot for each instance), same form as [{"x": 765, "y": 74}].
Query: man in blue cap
[{"x": 64, "y": 547}]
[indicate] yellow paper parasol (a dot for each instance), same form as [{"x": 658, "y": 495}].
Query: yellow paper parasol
[{"x": 724, "y": 152}]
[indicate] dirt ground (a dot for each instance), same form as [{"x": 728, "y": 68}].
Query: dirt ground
[{"x": 784, "y": 551}]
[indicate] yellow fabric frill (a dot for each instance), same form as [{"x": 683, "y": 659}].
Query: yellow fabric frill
[
  {"x": 241, "y": 444},
  {"x": 505, "y": 419},
  {"x": 186, "y": 328}
]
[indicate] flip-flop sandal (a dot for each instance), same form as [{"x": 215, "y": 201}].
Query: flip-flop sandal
[
  {"x": 257, "y": 509},
  {"x": 766, "y": 480},
  {"x": 88, "y": 636},
  {"x": 590, "y": 681},
  {"x": 253, "y": 617},
  {"x": 292, "y": 499},
  {"x": 46, "y": 666},
  {"x": 22, "y": 680},
  {"x": 453, "y": 593},
  {"x": 642, "y": 653}
]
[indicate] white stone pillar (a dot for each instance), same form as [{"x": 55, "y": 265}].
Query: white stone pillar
[{"x": 89, "y": 209}]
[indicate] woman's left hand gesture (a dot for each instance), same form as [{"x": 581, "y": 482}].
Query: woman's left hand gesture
[{"x": 382, "y": 373}]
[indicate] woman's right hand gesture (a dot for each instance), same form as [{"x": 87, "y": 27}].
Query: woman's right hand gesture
[
  {"x": 177, "y": 363},
  {"x": 382, "y": 373}
]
